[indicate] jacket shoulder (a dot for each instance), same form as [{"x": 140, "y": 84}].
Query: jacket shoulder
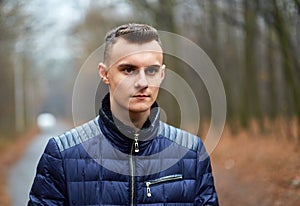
[
  {"x": 180, "y": 136},
  {"x": 78, "y": 135}
]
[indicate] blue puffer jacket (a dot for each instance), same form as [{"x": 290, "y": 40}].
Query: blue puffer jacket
[{"x": 104, "y": 162}]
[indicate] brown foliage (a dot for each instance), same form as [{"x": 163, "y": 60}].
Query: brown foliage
[{"x": 257, "y": 169}]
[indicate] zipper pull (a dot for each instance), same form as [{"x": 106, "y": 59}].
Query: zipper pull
[
  {"x": 148, "y": 189},
  {"x": 136, "y": 144}
]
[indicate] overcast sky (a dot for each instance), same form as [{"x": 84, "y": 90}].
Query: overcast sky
[{"x": 52, "y": 19}]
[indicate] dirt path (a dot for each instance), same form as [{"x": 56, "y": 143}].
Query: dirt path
[
  {"x": 22, "y": 173},
  {"x": 11, "y": 151}
]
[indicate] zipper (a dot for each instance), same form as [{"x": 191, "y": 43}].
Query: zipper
[
  {"x": 161, "y": 180},
  {"x": 134, "y": 148},
  {"x": 136, "y": 143},
  {"x": 132, "y": 173}
]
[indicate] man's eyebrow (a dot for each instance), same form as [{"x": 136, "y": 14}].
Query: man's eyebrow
[
  {"x": 154, "y": 65},
  {"x": 127, "y": 66}
]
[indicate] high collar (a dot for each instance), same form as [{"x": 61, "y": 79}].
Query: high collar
[{"x": 121, "y": 135}]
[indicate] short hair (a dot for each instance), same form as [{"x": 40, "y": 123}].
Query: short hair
[{"x": 133, "y": 33}]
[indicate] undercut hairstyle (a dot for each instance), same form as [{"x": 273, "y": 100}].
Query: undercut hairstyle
[{"x": 133, "y": 33}]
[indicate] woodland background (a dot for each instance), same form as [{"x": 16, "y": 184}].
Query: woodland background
[{"x": 254, "y": 45}]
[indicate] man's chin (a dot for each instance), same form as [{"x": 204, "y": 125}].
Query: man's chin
[{"x": 139, "y": 108}]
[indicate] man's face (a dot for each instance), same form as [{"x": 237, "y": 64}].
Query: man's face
[{"x": 134, "y": 75}]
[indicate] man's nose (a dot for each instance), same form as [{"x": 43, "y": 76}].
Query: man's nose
[{"x": 142, "y": 81}]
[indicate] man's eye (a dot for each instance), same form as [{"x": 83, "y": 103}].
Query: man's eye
[
  {"x": 152, "y": 70},
  {"x": 128, "y": 70}
]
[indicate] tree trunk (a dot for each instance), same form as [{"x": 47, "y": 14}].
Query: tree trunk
[
  {"x": 290, "y": 69},
  {"x": 250, "y": 103}
]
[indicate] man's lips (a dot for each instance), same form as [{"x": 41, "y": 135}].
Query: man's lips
[{"x": 141, "y": 96}]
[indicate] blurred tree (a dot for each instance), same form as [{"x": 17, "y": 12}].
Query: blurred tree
[
  {"x": 250, "y": 101},
  {"x": 17, "y": 79},
  {"x": 11, "y": 20},
  {"x": 159, "y": 13},
  {"x": 90, "y": 31},
  {"x": 282, "y": 19},
  {"x": 271, "y": 68},
  {"x": 289, "y": 55}
]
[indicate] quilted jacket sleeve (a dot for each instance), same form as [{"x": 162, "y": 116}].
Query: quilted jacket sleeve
[
  {"x": 206, "y": 192},
  {"x": 49, "y": 184}
]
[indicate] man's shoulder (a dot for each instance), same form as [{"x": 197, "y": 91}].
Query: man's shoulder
[
  {"x": 78, "y": 135},
  {"x": 181, "y": 137}
]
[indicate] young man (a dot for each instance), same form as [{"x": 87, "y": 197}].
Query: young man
[{"x": 126, "y": 156}]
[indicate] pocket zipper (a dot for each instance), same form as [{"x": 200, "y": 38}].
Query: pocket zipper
[{"x": 161, "y": 180}]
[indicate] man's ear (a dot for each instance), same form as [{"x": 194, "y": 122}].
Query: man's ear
[{"x": 102, "y": 69}]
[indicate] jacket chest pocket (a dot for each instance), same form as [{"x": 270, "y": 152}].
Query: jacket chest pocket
[{"x": 151, "y": 184}]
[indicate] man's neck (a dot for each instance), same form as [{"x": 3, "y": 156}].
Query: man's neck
[
  {"x": 132, "y": 119},
  {"x": 139, "y": 119}
]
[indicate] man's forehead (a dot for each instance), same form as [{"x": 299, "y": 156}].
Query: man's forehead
[{"x": 123, "y": 48}]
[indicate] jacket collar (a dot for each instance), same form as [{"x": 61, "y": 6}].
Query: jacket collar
[{"x": 121, "y": 135}]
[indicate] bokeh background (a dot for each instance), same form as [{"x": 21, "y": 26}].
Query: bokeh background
[{"x": 254, "y": 45}]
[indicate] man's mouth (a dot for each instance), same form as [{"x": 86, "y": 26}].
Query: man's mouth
[{"x": 141, "y": 96}]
